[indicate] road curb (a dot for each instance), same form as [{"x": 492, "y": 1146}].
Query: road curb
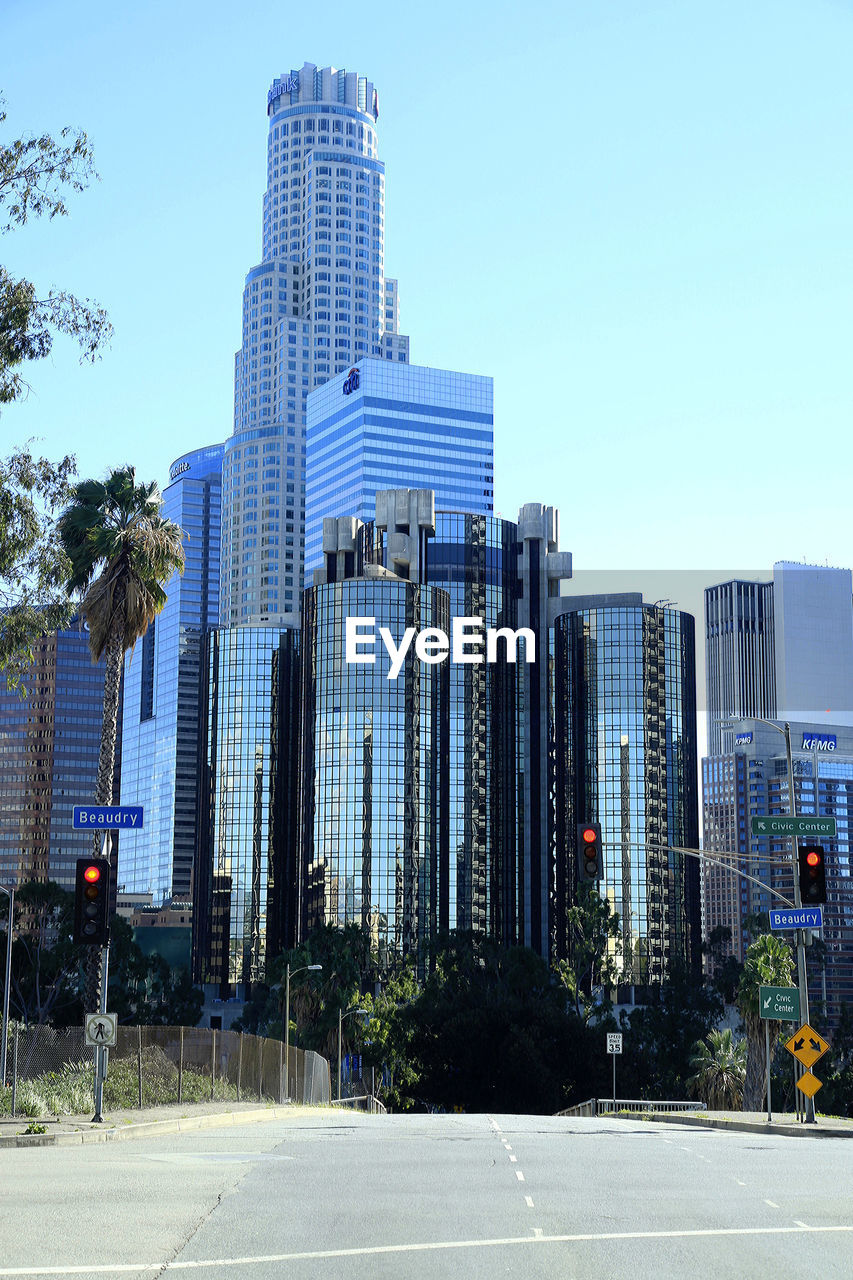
[
  {"x": 145, "y": 1129},
  {"x": 743, "y": 1126}
]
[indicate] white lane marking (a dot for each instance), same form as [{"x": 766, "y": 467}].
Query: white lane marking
[
  {"x": 116, "y": 1268},
  {"x": 537, "y": 1233},
  {"x": 519, "y": 1175},
  {"x": 513, "y": 1159},
  {"x": 740, "y": 1184},
  {"x": 506, "y": 1144},
  {"x": 528, "y": 1200},
  {"x": 772, "y": 1203},
  {"x": 801, "y": 1224}
]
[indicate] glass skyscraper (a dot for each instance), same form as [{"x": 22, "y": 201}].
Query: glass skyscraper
[
  {"x": 49, "y": 743},
  {"x": 374, "y": 834},
  {"x": 385, "y": 426},
  {"x": 161, "y": 693},
  {"x": 474, "y": 559},
  {"x": 246, "y": 859},
  {"x": 316, "y": 303},
  {"x": 625, "y": 720}
]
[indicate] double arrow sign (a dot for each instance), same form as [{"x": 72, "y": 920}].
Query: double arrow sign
[{"x": 807, "y": 1046}]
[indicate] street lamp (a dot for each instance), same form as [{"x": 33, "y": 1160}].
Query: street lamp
[
  {"x": 802, "y": 980},
  {"x": 305, "y": 968},
  {"x": 10, "y": 893},
  {"x": 341, "y": 1016}
]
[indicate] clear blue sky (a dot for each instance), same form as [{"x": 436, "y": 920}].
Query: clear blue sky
[{"x": 634, "y": 214}]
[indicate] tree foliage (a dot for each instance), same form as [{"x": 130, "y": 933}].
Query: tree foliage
[
  {"x": 33, "y": 565},
  {"x": 719, "y": 1071},
  {"x": 594, "y": 935},
  {"x": 48, "y": 969},
  {"x": 768, "y": 962},
  {"x": 36, "y": 175}
]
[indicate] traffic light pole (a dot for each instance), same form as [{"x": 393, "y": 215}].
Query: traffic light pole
[
  {"x": 100, "y": 1051},
  {"x": 802, "y": 977}
]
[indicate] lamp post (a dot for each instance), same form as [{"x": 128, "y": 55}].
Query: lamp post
[
  {"x": 802, "y": 980},
  {"x": 10, "y": 893},
  {"x": 341, "y": 1016},
  {"x": 305, "y": 968}
]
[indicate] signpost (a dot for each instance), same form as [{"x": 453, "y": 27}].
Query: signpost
[
  {"x": 776, "y": 1004},
  {"x": 106, "y": 817},
  {"x": 785, "y": 825},
  {"x": 779, "y": 1004},
  {"x": 807, "y": 1046},
  {"x": 614, "y": 1046},
  {"x": 796, "y": 918}
]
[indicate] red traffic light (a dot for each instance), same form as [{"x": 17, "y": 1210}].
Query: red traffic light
[
  {"x": 92, "y": 873},
  {"x": 589, "y": 835},
  {"x": 813, "y": 858}
]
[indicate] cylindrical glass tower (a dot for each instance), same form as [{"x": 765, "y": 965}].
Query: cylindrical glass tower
[
  {"x": 374, "y": 767},
  {"x": 625, "y": 717}
]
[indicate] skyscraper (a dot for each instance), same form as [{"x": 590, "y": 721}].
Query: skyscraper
[
  {"x": 383, "y": 425},
  {"x": 49, "y": 743},
  {"x": 161, "y": 692},
  {"x": 625, "y": 700},
  {"x": 316, "y": 303}
]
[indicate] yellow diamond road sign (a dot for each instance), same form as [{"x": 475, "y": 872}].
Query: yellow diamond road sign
[
  {"x": 807, "y": 1045},
  {"x": 809, "y": 1084}
]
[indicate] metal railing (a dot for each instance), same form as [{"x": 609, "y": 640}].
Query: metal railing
[
  {"x": 367, "y": 1102},
  {"x": 609, "y": 1106}
]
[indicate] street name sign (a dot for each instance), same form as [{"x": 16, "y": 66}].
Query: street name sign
[
  {"x": 779, "y": 1004},
  {"x": 107, "y": 817},
  {"x": 614, "y": 1042},
  {"x": 101, "y": 1029},
  {"x": 797, "y": 918},
  {"x": 782, "y": 825},
  {"x": 807, "y": 1045},
  {"x": 809, "y": 1084}
]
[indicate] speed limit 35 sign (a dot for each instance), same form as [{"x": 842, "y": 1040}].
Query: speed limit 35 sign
[{"x": 614, "y": 1042}]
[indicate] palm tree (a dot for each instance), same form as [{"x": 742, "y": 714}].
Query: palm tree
[
  {"x": 121, "y": 552},
  {"x": 768, "y": 963},
  {"x": 719, "y": 1067}
]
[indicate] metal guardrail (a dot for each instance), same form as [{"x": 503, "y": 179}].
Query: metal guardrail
[
  {"x": 609, "y": 1106},
  {"x": 365, "y": 1101}
]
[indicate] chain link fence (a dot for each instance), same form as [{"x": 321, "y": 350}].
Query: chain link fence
[{"x": 50, "y": 1070}]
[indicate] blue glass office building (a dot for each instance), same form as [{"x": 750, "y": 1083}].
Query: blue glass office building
[
  {"x": 625, "y": 704},
  {"x": 161, "y": 693},
  {"x": 243, "y": 877},
  {"x": 385, "y": 425}
]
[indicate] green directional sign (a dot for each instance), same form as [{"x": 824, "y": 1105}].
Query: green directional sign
[
  {"x": 780, "y": 825},
  {"x": 780, "y": 1004}
]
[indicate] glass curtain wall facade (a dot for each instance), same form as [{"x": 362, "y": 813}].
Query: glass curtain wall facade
[
  {"x": 49, "y": 744},
  {"x": 316, "y": 303},
  {"x": 374, "y": 824},
  {"x": 474, "y": 559},
  {"x": 161, "y": 716},
  {"x": 389, "y": 426},
  {"x": 753, "y": 782},
  {"x": 625, "y": 715},
  {"x": 247, "y": 807}
]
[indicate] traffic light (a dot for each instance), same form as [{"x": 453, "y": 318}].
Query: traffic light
[
  {"x": 92, "y": 902},
  {"x": 590, "y": 860},
  {"x": 812, "y": 874}
]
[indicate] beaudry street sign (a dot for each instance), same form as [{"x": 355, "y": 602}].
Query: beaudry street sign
[
  {"x": 782, "y": 825},
  {"x": 779, "y": 1004},
  {"x": 797, "y": 918},
  {"x": 107, "y": 817}
]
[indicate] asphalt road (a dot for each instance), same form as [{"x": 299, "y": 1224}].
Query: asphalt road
[{"x": 364, "y": 1197}]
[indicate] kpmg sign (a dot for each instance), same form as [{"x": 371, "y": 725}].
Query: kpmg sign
[
  {"x": 351, "y": 382},
  {"x": 290, "y": 85},
  {"x": 743, "y": 739},
  {"x": 819, "y": 742}
]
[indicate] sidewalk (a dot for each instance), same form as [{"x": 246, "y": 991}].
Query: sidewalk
[
  {"x": 755, "y": 1122},
  {"x": 139, "y": 1122}
]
